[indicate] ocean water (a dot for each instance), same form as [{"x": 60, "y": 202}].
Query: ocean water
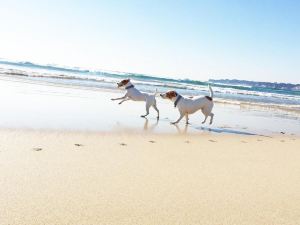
[{"x": 246, "y": 96}]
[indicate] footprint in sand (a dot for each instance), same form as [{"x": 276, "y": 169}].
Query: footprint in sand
[
  {"x": 212, "y": 140},
  {"x": 123, "y": 144},
  {"x": 151, "y": 141},
  {"x": 187, "y": 142},
  {"x": 78, "y": 145},
  {"x": 244, "y": 141},
  {"x": 37, "y": 149},
  {"x": 259, "y": 140},
  {"x": 282, "y": 140}
]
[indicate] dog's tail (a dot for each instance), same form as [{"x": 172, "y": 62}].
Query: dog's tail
[
  {"x": 211, "y": 91},
  {"x": 155, "y": 93}
]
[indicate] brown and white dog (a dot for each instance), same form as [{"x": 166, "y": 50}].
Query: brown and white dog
[
  {"x": 135, "y": 95},
  {"x": 188, "y": 106}
]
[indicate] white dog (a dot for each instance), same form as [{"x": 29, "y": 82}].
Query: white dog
[
  {"x": 190, "y": 106},
  {"x": 135, "y": 95}
]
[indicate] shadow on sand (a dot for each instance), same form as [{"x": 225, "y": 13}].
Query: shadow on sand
[
  {"x": 224, "y": 130},
  {"x": 185, "y": 129}
]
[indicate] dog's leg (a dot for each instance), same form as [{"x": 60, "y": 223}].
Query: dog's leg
[
  {"x": 126, "y": 99},
  {"x": 156, "y": 109},
  {"x": 121, "y": 98},
  {"x": 187, "y": 118},
  {"x": 205, "y": 119},
  {"x": 181, "y": 116},
  {"x": 211, "y": 118},
  {"x": 147, "y": 110}
]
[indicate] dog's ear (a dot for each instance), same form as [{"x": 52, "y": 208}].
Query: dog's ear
[{"x": 171, "y": 94}]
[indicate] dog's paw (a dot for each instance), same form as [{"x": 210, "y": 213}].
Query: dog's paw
[{"x": 173, "y": 123}]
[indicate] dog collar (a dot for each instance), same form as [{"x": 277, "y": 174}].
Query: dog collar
[
  {"x": 177, "y": 100},
  {"x": 131, "y": 86}
]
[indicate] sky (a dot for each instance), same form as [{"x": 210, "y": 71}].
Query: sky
[{"x": 243, "y": 39}]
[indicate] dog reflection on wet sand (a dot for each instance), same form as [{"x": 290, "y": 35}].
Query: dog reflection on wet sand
[{"x": 151, "y": 127}]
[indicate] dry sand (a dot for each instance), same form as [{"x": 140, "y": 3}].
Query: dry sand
[{"x": 71, "y": 178}]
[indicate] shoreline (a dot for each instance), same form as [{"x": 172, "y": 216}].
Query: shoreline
[
  {"x": 135, "y": 132},
  {"x": 35, "y": 105}
]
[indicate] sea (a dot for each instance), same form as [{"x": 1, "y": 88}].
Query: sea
[{"x": 227, "y": 93}]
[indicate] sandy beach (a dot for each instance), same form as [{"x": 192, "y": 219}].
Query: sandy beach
[
  {"x": 150, "y": 112},
  {"x": 69, "y": 155},
  {"x": 92, "y": 178}
]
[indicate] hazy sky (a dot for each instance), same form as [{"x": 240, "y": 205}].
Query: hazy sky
[{"x": 250, "y": 39}]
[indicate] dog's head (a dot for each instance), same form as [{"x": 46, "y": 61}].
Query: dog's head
[
  {"x": 169, "y": 95},
  {"x": 123, "y": 83}
]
